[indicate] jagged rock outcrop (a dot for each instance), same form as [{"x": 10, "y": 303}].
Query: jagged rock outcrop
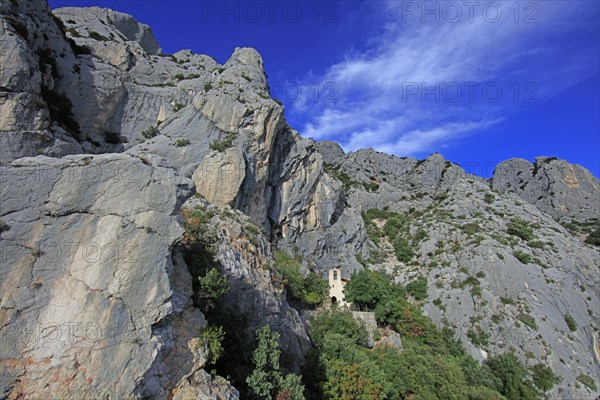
[
  {"x": 34, "y": 113},
  {"x": 123, "y": 93},
  {"x": 89, "y": 281},
  {"x": 558, "y": 188}
]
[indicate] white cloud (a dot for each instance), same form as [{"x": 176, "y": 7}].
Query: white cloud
[{"x": 377, "y": 106}]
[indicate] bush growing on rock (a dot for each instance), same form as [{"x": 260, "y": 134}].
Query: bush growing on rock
[
  {"x": 543, "y": 377},
  {"x": 150, "y": 132},
  {"x": 211, "y": 341},
  {"x": 571, "y": 323},
  {"x": 523, "y": 257},
  {"x": 309, "y": 289},
  {"x": 267, "y": 381},
  {"x": 224, "y": 144},
  {"x": 594, "y": 238},
  {"x": 520, "y": 228},
  {"x": 418, "y": 288}
]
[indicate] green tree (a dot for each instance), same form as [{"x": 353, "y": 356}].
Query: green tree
[
  {"x": 418, "y": 371},
  {"x": 213, "y": 285},
  {"x": 337, "y": 321},
  {"x": 314, "y": 289},
  {"x": 418, "y": 288},
  {"x": 359, "y": 381},
  {"x": 266, "y": 380},
  {"x": 514, "y": 379},
  {"x": 366, "y": 289},
  {"x": 543, "y": 377},
  {"x": 403, "y": 249},
  {"x": 211, "y": 340},
  {"x": 309, "y": 289}
]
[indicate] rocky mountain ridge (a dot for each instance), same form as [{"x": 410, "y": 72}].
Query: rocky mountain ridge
[{"x": 94, "y": 81}]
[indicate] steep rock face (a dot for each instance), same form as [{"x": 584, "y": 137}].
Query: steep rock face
[
  {"x": 562, "y": 190},
  {"x": 125, "y": 95},
  {"x": 497, "y": 290},
  {"x": 79, "y": 257},
  {"x": 31, "y": 101},
  {"x": 244, "y": 253}
]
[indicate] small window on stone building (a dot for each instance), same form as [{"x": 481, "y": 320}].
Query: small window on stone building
[{"x": 335, "y": 275}]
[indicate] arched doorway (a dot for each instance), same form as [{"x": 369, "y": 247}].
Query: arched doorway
[{"x": 333, "y": 300}]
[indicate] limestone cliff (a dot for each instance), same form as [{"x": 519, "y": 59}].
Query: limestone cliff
[{"x": 93, "y": 269}]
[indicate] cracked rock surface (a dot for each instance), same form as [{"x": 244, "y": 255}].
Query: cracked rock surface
[{"x": 91, "y": 297}]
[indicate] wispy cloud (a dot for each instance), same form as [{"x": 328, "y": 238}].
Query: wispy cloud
[{"x": 423, "y": 84}]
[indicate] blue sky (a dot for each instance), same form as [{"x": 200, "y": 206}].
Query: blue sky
[{"x": 479, "y": 83}]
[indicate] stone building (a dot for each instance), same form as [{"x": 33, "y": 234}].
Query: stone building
[{"x": 337, "y": 281}]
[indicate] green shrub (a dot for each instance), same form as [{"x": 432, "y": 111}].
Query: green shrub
[
  {"x": 536, "y": 244},
  {"x": 178, "y": 106},
  {"x": 478, "y": 337},
  {"x": 543, "y": 377},
  {"x": 212, "y": 284},
  {"x": 150, "y": 132},
  {"x": 484, "y": 393},
  {"x": 211, "y": 340},
  {"x": 207, "y": 86},
  {"x": 181, "y": 142},
  {"x": 514, "y": 379},
  {"x": 224, "y": 144},
  {"x": 507, "y": 300},
  {"x": 96, "y": 36},
  {"x": 267, "y": 381},
  {"x": 588, "y": 381},
  {"x": 310, "y": 289},
  {"x": 489, "y": 198},
  {"x": 418, "y": 288},
  {"x": 523, "y": 257},
  {"x": 179, "y": 77},
  {"x": 73, "y": 32},
  {"x": 520, "y": 228},
  {"x": 403, "y": 249},
  {"x": 527, "y": 320},
  {"x": 571, "y": 323},
  {"x": 594, "y": 238},
  {"x": 471, "y": 228}
]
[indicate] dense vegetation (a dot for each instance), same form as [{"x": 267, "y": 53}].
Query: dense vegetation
[
  {"x": 307, "y": 289},
  {"x": 266, "y": 380},
  {"x": 431, "y": 365}
]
